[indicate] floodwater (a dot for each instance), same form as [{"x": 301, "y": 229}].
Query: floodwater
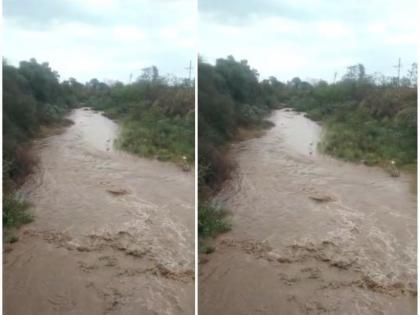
[
  {"x": 113, "y": 233},
  {"x": 311, "y": 234}
]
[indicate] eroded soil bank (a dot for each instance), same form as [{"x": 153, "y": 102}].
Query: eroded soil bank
[
  {"x": 311, "y": 234},
  {"x": 113, "y": 233}
]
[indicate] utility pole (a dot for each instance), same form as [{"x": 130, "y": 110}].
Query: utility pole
[
  {"x": 399, "y": 66},
  {"x": 131, "y": 77},
  {"x": 189, "y": 71},
  {"x": 335, "y": 76}
]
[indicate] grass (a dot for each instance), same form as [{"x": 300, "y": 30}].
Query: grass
[
  {"x": 370, "y": 142},
  {"x": 212, "y": 221},
  {"x": 15, "y": 212},
  {"x": 167, "y": 139}
]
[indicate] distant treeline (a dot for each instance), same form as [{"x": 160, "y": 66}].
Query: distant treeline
[
  {"x": 156, "y": 115},
  {"x": 369, "y": 118}
]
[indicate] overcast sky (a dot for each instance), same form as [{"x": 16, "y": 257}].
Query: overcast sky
[
  {"x": 106, "y": 39},
  {"x": 310, "y": 38}
]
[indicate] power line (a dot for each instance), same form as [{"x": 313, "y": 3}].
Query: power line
[
  {"x": 189, "y": 68},
  {"x": 398, "y": 66}
]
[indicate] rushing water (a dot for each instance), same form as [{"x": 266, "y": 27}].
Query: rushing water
[
  {"x": 113, "y": 233},
  {"x": 311, "y": 234}
]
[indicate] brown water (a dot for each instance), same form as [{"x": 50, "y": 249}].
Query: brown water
[
  {"x": 113, "y": 233},
  {"x": 353, "y": 252}
]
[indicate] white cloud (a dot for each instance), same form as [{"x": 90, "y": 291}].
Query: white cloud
[
  {"x": 401, "y": 39},
  {"x": 121, "y": 37},
  {"x": 377, "y": 28},
  {"x": 129, "y": 33},
  {"x": 333, "y": 29},
  {"x": 310, "y": 38}
]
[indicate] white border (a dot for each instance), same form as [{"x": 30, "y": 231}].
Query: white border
[
  {"x": 1, "y": 151},
  {"x": 196, "y": 160}
]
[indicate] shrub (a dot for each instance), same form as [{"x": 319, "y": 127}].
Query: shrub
[
  {"x": 15, "y": 211},
  {"x": 212, "y": 220}
]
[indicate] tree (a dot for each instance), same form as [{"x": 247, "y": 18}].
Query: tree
[
  {"x": 355, "y": 73},
  {"x": 149, "y": 74},
  {"x": 412, "y": 74}
]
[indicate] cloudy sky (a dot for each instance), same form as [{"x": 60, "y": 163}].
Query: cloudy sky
[
  {"x": 311, "y": 39},
  {"x": 106, "y": 39}
]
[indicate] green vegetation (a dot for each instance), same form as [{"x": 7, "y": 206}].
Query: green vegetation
[
  {"x": 15, "y": 212},
  {"x": 212, "y": 221},
  {"x": 156, "y": 115},
  {"x": 368, "y": 118}
]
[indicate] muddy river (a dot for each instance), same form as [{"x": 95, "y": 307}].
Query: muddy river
[
  {"x": 113, "y": 233},
  {"x": 311, "y": 234}
]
